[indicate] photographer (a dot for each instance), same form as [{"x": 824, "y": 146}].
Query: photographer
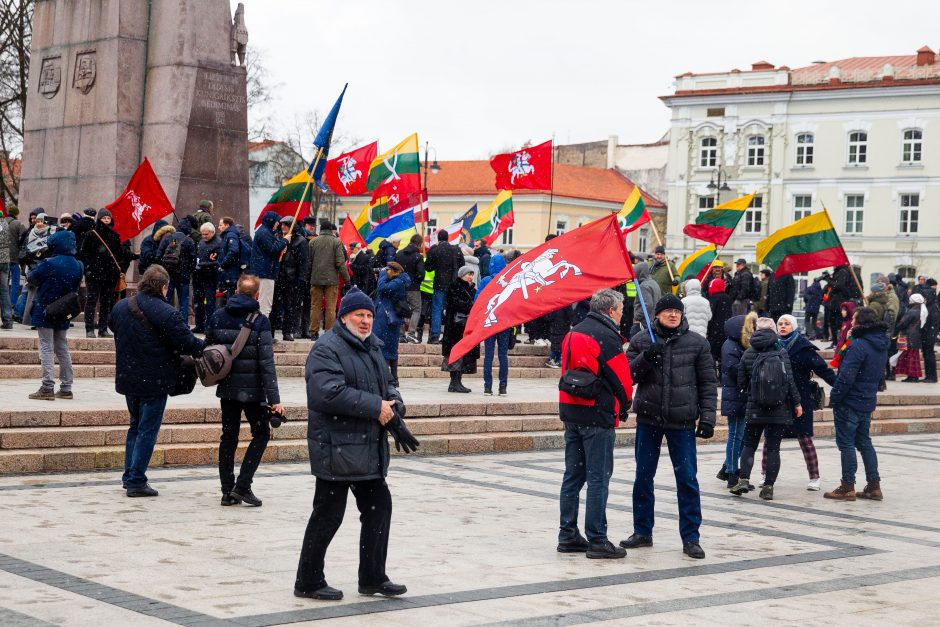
[{"x": 250, "y": 386}]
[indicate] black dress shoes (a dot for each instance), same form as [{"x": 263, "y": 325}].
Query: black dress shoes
[
  {"x": 143, "y": 491},
  {"x": 693, "y": 550},
  {"x": 326, "y": 593},
  {"x": 636, "y": 541},
  {"x": 387, "y": 589},
  {"x": 578, "y": 545}
]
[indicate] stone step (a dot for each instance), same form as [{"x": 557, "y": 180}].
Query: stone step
[{"x": 187, "y": 454}]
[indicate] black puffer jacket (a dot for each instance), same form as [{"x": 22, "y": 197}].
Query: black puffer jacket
[
  {"x": 762, "y": 342},
  {"x": 741, "y": 285},
  {"x": 445, "y": 260},
  {"x": 680, "y": 391},
  {"x": 780, "y": 295},
  {"x": 207, "y": 260},
  {"x": 347, "y": 379},
  {"x": 100, "y": 268},
  {"x": 253, "y": 378},
  {"x": 296, "y": 262}
]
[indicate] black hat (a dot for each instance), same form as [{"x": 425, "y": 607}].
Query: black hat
[
  {"x": 442, "y": 236},
  {"x": 310, "y": 220},
  {"x": 741, "y": 261},
  {"x": 353, "y": 300},
  {"x": 660, "y": 250},
  {"x": 90, "y": 212},
  {"x": 669, "y": 302}
]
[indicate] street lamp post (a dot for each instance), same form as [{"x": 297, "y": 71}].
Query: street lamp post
[
  {"x": 719, "y": 185},
  {"x": 434, "y": 168}
]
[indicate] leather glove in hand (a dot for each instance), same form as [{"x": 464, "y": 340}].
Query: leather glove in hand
[
  {"x": 705, "y": 431},
  {"x": 402, "y": 436},
  {"x": 654, "y": 354}
]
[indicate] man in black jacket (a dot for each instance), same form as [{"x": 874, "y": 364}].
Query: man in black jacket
[
  {"x": 594, "y": 346},
  {"x": 444, "y": 259},
  {"x": 350, "y": 405},
  {"x": 291, "y": 282},
  {"x": 250, "y": 384},
  {"x": 742, "y": 288},
  {"x": 412, "y": 261},
  {"x": 676, "y": 386},
  {"x": 780, "y": 295}
]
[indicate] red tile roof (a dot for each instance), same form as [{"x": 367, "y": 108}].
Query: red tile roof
[
  {"x": 465, "y": 178},
  {"x": 264, "y": 143}
]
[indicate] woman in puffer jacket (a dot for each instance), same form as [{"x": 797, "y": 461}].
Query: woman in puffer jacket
[
  {"x": 739, "y": 330},
  {"x": 698, "y": 311}
]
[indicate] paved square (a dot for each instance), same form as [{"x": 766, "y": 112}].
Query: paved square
[{"x": 474, "y": 540}]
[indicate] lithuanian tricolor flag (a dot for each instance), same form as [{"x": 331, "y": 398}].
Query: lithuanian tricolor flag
[
  {"x": 396, "y": 171},
  {"x": 634, "y": 213},
  {"x": 284, "y": 201},
  {"x": 492, "y": 221},
  {"x": 807, "y": 244},
  {"x": 695, "y": 265},
  {"x": 716, "y": 225}
]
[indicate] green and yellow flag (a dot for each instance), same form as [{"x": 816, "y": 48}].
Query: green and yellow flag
[
  {"x": 634, "y": 213},
  {"x": 396, "y": 171},
  {"x": 492, "y": 221},
  {"x": 808, "y": 244}
]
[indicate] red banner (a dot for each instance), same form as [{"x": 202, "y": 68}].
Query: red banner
[
  {"x": 529, "y": 168},
  {"x": 348, "y": 233},
  {"x": 348, "y": 173},
  {"x": 414, "y": 201},
  {"x": 142, "y": 203},
  {"x": 560, "y": 272}
]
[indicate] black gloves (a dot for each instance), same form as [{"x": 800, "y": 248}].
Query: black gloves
[
  {"x": 705, "y": 431},
  {"x": 401, "y": 435},
  {"x": 654, "y": 354},
  {"x": 675, "y": 282}
]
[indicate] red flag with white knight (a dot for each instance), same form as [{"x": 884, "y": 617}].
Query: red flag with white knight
[
  {"x": 559, "y": 272},
  {"x": 142, "y": 203},
  {"x": 348, "y": 174},
  {"x": 414, "y": 201},
  {"x": 529, "y": 168}
]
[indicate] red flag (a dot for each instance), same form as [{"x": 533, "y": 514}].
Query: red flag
[
  {"x": 142, "y": 203},
  {"x": 562, "y": 271},
  {"x": 529, "y": 168},
  {"x": 415, "y": 201},
  {"x": 348, "y": 233},
  {"x": 348, "y": 173}
]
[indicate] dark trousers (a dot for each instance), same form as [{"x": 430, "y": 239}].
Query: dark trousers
[
  {"x": 682, "y": 454},
  {"x": 204, "y": 297},
  {"x": 100, "y": 297},
  {"x": 834, "y": 319},
  {"x": 752, "y": 435},
  {"x": 146, "y": 417},
  {"x": 810, "y": 321},
  {"x": 930, "y": 357},
  {"x": 305, "y": 309},
  {"x": 425, "y": 312},
  {"x": 329, "y": 504},
  {"x": 260, "y": 434},
  {"x": 290, "y": 299},
  {"x": 589, "y": 458}
]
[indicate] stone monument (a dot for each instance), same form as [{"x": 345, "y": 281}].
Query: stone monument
[{"x": 120, "y": 80}]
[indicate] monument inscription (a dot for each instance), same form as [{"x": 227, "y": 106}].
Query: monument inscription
[{"x": 219, "y": 99}]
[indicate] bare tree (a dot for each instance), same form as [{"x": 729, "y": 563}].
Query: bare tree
[
  {"x": 16, "y": 18},
  {"x": 260, "y": 93}
]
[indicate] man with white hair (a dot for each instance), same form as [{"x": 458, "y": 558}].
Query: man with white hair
[{"x": 206, "y": 275}]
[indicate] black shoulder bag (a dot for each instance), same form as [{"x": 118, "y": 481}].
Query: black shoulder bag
[
  {"x": 186, "y": 366},
  {"x": 580, "y": 383}
]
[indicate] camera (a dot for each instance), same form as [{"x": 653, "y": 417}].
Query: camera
[{"x": 274, "y": 418}]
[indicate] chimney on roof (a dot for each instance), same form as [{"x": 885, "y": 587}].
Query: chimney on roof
[
  {"x": 925, "y": 56},
  {"x": 762, "y": 65}
]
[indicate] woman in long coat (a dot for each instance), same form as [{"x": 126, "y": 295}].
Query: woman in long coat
[
  {"x": 459, "y": 302},
  {"x": 393, "y": 282},
  {"x": 911, "y": 326},
  {"x": 721, "y": 311}
]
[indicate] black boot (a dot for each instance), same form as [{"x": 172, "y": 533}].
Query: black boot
[
  {"x": 456, "y": 385},
  {"x": 393, "y": 365}
]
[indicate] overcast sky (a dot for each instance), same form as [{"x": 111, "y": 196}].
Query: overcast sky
[{"x": 476, "y": 77}]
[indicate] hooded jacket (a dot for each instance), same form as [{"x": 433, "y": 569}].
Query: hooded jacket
[
  {"x": 780, "y": 295},
  {"x": 387, "y": 321},
  {"x": 733, "y": 402},
  {"x": 445, "y": 260},
  {"x": 698, "y": 311},
  {"x": 763, "y": 342},
  {"x": 650, "y": 291},
  {"x": 813, "y": 298},
  {"x": 148, "y": 248},
  {"x": 230, "y": 257},
  {"x": 97, "y": 249},
  {"x": 742, "y": 285},
  {"x": 659, "y": 272},
  {"x": 167, "y": 235},
  {"x": 58, "y": 274},
  {"x": 850, "y": 307},
  {"x": 296, "y": 262},
  {"x": 253, "y": 378},
  {"x": 497, "y": 265},
  {"x": 266, "y": 248},
  {"x": 863, "y": 365}
]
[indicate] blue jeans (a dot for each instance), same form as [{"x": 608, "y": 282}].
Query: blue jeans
[
  {"x": 681, "y": 445},
  {"x": 181, "y": 289},
  {"x": 735, "y": 444},
  {"x": 589, "y": 457},
  {"x": 852, "y": 433},
  {"x": 499, "y": 342},
  {"x": 14, "y": 282},
  {"x": 146, "y": 418},
  {"x": 437, "y": 310},
  {"x": 6, "y": 308}
]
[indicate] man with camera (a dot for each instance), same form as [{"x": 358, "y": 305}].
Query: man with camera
[
  {"x": 351, "y": 407},
  {"x": 250, "y": 387}
]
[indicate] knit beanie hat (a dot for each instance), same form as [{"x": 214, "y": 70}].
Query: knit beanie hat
[
  {"x": 766, "y": 323},
  {"x": 669, "y": 302},
  {"x": 353, "y": 300},
  {"x": 464, "y": 271},
  {"x": 877, "y": 287}
]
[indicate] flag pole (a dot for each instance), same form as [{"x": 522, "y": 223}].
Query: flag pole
[
  {"x": 551, "y": 190},
  {"x": 300, "y": 203},
  {"x": 672, "y": 278},
  {"x": 858, "y": 283}
]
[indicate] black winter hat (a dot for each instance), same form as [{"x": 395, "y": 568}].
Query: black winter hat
[
  {"x": 442, "y": 236},
  {"x": 353, "y": 300},
  {"x": 661, "y": 250},
  {"x": 669, "y": 302}
]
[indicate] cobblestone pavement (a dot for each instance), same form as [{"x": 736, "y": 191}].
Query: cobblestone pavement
[{"x": 474, "y": 540}]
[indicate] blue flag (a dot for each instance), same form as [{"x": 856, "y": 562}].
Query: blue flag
[
  {"x": 322, "y": 142},
  {"x": 401, "y": 226},
  {"x": 468, "y": 219}
]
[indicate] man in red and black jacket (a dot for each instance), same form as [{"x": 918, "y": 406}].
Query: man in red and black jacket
[{"x": 596, "y": 346}]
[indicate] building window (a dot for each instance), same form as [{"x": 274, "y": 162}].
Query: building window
[
  {"x": 341, "y": 221},
  {"x": 706, "y": 202},
  {"x": 715, "y": 112},
  {"x": 804, "y": 149},
  {"x": 259, "y": 175},
  {"x": 430, "y": 228},
  {"x": 754, "y": 216},
  {"x": 907, "y": 272},
  {"x": 643, "y": 239},
  {"x": 802, "y": 206},
  {"x": 854, "y": 212},
  {"x": 755, "y": 150},
  {"x": 911, "y": 147},
  {"x": 858, "y": 148},
  {"x": 561, "y": 226},
  {"x": 708, "y": 155},
  {"x": 910, "y": 213},
  {"x": 506, "y": 237}
]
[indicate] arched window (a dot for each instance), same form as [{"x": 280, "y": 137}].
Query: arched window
[
  {"x": 912, "y": 145},
  {"x": 858, "y": 148},
  {"x": 755, "y": 150},
  {"x": 708, "y": 154},
  {"x": 804, "y": 149}
]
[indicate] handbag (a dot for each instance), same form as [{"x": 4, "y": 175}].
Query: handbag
[
  {"x": 902, "y": 343},
  {"x": 580, "y": 383},
  {"x": 216, "y": 360},
  {"x": 403, "y": 309},
  {"x": 817, "y": 395},
  {"x": 186, "y": 366},
  {"x": 460, "y": 318},
  {"x": 63, "y": 309},
  {"x": 121, "y": 283}
]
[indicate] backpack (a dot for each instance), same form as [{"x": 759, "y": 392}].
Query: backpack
[
  {"x": 216, "y": 360},
  {"x": 172, "y": 260},
  {"x": 769, "y": 381},
  {"x": 755, "y": 288}
]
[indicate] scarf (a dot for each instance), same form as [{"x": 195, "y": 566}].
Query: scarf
[
  {"x": 787, "y": 340},
  {"x": 918, "y": 299}
]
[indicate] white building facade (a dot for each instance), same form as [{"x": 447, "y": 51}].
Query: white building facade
[{"x": 860, "y": 137}]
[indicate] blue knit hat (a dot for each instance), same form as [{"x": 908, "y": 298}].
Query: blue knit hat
[{"x": 353, "y": 300}]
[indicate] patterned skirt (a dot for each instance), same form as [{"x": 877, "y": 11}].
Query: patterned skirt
[{"x": 909, "y": 364}]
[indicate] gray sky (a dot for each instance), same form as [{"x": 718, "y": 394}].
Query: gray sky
[{"x": 476, "y": 77}]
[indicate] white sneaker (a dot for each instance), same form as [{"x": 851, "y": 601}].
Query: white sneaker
[
  {"x": 763, "y": 481},
  {"x": 813, "y": 485},
  {"x": 542, "y": 343}
]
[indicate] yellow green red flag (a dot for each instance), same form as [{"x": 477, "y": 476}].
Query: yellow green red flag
[
  {"x": 396, "y": 171},
  {"x": 634, "y": 213},
  {"x": 807, "y": 244}
]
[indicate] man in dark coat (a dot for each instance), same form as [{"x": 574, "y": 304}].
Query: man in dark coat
[
  {"x": 482, "y": 252},
  {"x": 742, "y": 288},
  {"x": 230, "y": 261},
  {"x": 206, "y": 275},
  {"x": 444, "y": 260},
  {"x": 928, "y": 338},
  {"x": 147, "y": 351},
  {"x": 412, "y": 261},
  {"x": 177, "y": 255},
  {"x": 780, "y": 295},
  {"x": 327, "y": 265},
  {"x": 266, "y": 251},
  {"x": 812, "y": 299},
  {"x": 251, "y": 382},
  {"x": 350, "y": 406},
  {"x": 594, "y": 346},
  {"x": 292, "y": 277},
  {"x": 101, "y": 253},
  {"x": 676, "y": 386}
]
